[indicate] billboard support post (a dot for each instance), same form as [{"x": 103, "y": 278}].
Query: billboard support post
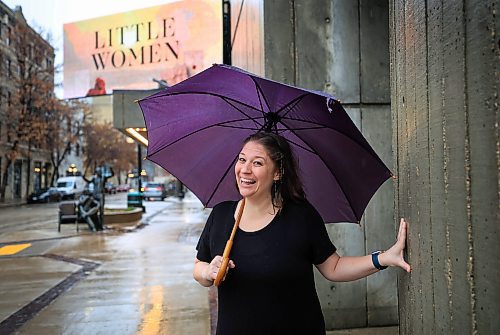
[{"x": 226, "y": 32}]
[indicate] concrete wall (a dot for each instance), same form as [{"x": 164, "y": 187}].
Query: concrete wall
[
  {"x": 247, "y": 31},
  {"x": 342, "y": 47},
  {"x": 444, "y": 87},
  {"x": 126, "y": 110}
]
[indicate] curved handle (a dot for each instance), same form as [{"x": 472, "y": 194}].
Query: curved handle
[
  {"x": 225, "y": 263},
  {"x": 227, "y": 250},
  {"x": 222, "y": 271}
]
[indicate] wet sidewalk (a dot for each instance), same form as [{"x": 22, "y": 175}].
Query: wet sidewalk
[{"x": 109, "y": 282}]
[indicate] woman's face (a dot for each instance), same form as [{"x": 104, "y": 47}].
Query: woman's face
[{"x": 255, "y": 171}]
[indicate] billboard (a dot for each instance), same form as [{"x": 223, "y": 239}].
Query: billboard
[{"x": 139, "y": 49}]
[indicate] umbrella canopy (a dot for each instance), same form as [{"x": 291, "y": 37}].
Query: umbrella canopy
[{"x": 196, "y": 129}]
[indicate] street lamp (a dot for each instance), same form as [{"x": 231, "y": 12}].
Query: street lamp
[{"x": 72, "y": 170}]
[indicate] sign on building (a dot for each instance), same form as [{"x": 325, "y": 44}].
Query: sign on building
[{"x": 138, "y": 49}]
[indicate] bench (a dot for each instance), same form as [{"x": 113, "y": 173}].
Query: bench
[{"x": 68, "y": 213}]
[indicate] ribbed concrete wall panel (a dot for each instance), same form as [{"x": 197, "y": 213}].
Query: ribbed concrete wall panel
[
  {"x": 482, "y": 73},
  {"x": 345, "y": 49},
  {"x": 344, "y": 304},
  {"x": 247, "y": 29},
  {"x": 374, "y": 53},
  {"x": 378, "y": 220},
  {"x": 279, "y": 40},
  {"x": 444, "y": 85},
  {"x": 313, "y": 44}
]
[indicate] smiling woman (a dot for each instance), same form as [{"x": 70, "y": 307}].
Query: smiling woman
[
  {"x": 279, "y": 237},
  {"x": 255, "y": 171}
]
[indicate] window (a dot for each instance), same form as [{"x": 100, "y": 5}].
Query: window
[
  {"x": 8, "y": 39},
  {"x": 9, "y": 68}
]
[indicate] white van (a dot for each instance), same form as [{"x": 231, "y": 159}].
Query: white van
[{"x": 71, "y": 187}]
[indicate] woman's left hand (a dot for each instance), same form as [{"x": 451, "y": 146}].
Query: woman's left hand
[{"x": 394, "y": 256}]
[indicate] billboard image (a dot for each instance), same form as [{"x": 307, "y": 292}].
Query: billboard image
[{"x": 139, "y": 49}]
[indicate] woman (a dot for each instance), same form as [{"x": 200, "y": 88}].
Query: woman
[{"x": 270, "y": 287}]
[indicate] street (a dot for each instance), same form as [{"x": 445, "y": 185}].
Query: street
[{"x": 107, "y": 282}]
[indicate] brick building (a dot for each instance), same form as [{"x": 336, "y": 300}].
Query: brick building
[{"x": 26, "y": 63}]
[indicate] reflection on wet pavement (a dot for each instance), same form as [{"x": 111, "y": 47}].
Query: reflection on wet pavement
[{"x": 143, "y": 284}]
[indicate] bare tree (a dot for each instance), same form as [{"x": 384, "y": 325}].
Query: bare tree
[
  {"x": 65, "y": 125},
  {"x": 30, "y": 98},
  {"x": 106, "y": 145}
]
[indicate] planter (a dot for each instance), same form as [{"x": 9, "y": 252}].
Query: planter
[{"x": 125, "y": 217}]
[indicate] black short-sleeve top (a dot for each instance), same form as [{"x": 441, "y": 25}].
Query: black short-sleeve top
[{"x": 271, "y": 290}]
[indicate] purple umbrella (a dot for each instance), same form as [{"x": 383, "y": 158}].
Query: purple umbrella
[{"x": 196, "y": 129}]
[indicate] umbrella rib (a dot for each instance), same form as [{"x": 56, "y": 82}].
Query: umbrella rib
[
  {"x": 223, "y": 98},
  {"x": 192, "y": 133},
  {"x": 221, "y": 123},
  {"x": 259, "y": 89},
  {"x": 311, "y": 128},
  {"x": 221, "y": 179},
  {"x": 303, "y": 147},
  {"x": 289, "y": 104},
  {"x": 324, "y": 163},
  {"x": 373, "y": 153},
  {"x": 235, "y": 127},
  {"x": 239, "y": 110},
  {"x": 204, "y": 93},
  {"x": 312, "y": 123},
  {"x": 296, "y": 101}
]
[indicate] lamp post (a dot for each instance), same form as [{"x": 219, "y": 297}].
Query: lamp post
[
  {"x": 139, "y": 168},
  {"x": 72, "y": 170}
]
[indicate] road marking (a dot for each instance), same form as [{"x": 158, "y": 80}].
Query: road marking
[{"x": 13, "y": 249}]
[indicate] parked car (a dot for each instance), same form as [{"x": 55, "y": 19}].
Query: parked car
[
  {"x": 45, "y": 195},
  {"x": 123, "y": 187},
  {"x": 154, "y": 190},
  {"x": 110, "y": 188}
]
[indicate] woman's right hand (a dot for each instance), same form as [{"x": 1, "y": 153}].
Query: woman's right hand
[{"x": 209, "y": 273}]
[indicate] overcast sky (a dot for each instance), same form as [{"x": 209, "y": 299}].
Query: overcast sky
[{"x": 49, "y": 16}]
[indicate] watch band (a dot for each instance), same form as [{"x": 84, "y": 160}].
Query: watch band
[{"x": 375, "y": 260}]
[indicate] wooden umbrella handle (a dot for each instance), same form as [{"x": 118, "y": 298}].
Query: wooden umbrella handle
[
  {"x": 225, "y": 262},
  {"x": 227, "y": 250}
]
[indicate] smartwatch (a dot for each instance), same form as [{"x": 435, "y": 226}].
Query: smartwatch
[{"x": 375, "y": 260}]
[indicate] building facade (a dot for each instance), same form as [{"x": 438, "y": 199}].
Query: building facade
[{"x": 25, "y": 58}]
